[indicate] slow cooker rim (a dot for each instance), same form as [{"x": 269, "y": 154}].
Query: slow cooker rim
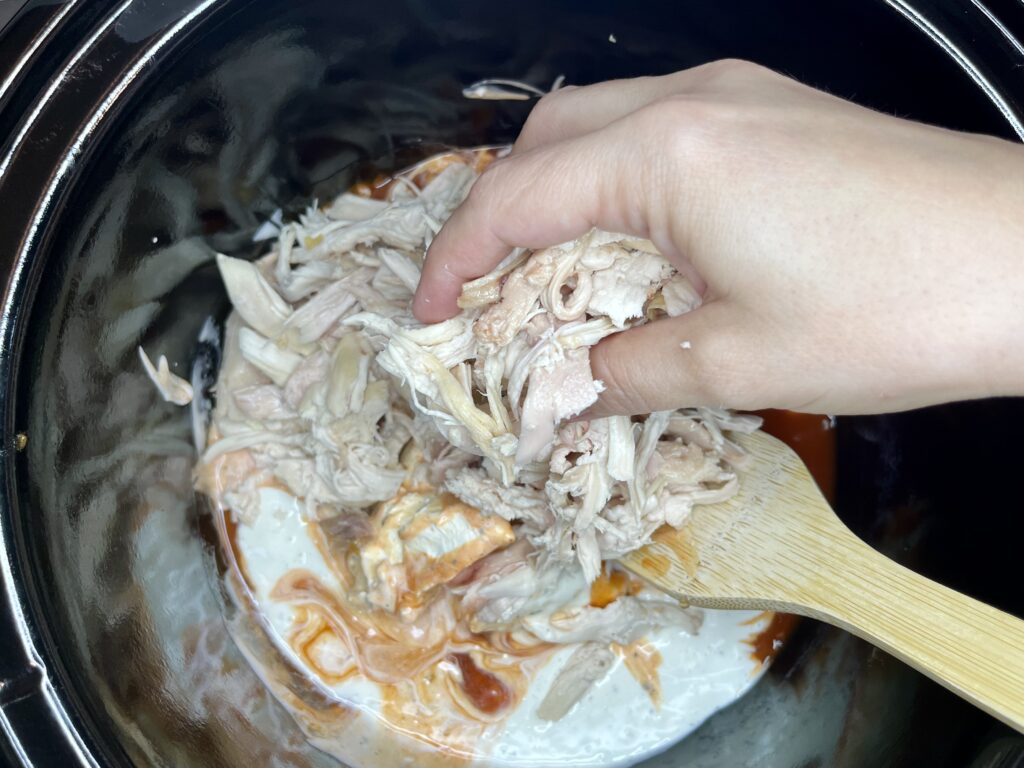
[
  {"x": 957, "y": 50},
  {"x": 50, "y": 709},
  {"x": 35, "y": 172}
]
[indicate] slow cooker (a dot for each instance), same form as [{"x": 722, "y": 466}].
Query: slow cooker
[{"x": 137, "y": 138}]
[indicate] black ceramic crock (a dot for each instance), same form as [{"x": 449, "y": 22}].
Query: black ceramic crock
[{"x": 138, "y": 136}]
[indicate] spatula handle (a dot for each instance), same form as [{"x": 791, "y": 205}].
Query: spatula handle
[{"x": 971, "y": 648}]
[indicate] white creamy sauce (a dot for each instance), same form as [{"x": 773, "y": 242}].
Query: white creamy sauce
[{"x": 615, "y": 724}]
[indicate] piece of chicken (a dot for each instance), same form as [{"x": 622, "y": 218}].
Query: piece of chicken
[{"x": 422, "y": 540}]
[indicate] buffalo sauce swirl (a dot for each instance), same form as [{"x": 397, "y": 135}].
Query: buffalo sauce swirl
[
  {"x": 610, "y": 585},
  {"x": 485, "y": 690}
]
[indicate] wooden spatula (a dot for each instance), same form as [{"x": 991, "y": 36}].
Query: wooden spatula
[{"x": 778, "y": 546}]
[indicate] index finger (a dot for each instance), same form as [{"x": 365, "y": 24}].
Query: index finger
[{"x": 535, "y": 199}]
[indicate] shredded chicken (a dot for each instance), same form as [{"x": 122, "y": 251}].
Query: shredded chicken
[
  {"x": 622, "y": 621},
  {"x": 496, "y": 89},
  {"x": 588, "y": 664},
  {"x": 173, "y": 389},
  {"x": 445, "y": 449}
]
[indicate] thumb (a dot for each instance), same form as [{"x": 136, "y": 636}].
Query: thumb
[{"x": 707, "y": 357}]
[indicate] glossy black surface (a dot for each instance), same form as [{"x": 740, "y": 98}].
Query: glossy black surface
[{"x": 136, "y": 139}]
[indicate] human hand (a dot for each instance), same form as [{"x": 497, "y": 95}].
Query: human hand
[{"x": 851, "y": 262}]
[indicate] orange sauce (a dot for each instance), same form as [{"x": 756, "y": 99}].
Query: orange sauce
[
  {"x": 642, "y": 660},
  {"x": 610, "y": 585},
  {"x": 767, "y": 643},
  {"x": 658, "y": 565},
  {"x": 485, "y": 690},
  {"x": 376, "y": 189},
  {"x": 350, "y": 638},
  {"x": 231, "y": 532}
]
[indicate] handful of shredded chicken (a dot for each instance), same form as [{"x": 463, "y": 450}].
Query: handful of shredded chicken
[{"x": 444, "y": 450}]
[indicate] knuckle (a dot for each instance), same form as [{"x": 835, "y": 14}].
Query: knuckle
[
  {"x": 627, "y": 394},
  {"x": 550, "y": 102},
  {"x": 546, "y": 112},
  {"x": 711, "y": 387},
  {"x": 663, "y": 121},
  {"x": 676, "y": 113},
  {"x": 697, "y": 127},
  {"x": 486, "y": 191},
  {"x": 728, "y": 71},
  {"x": 487, "y": 181},
  {"x": 624, "y": 389},
  {"x": 674, "y": 127},
  {"x": 717, "y": 390},
  {"x": 721, "y": 369},
  {"x": 503, "y": 182}
]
